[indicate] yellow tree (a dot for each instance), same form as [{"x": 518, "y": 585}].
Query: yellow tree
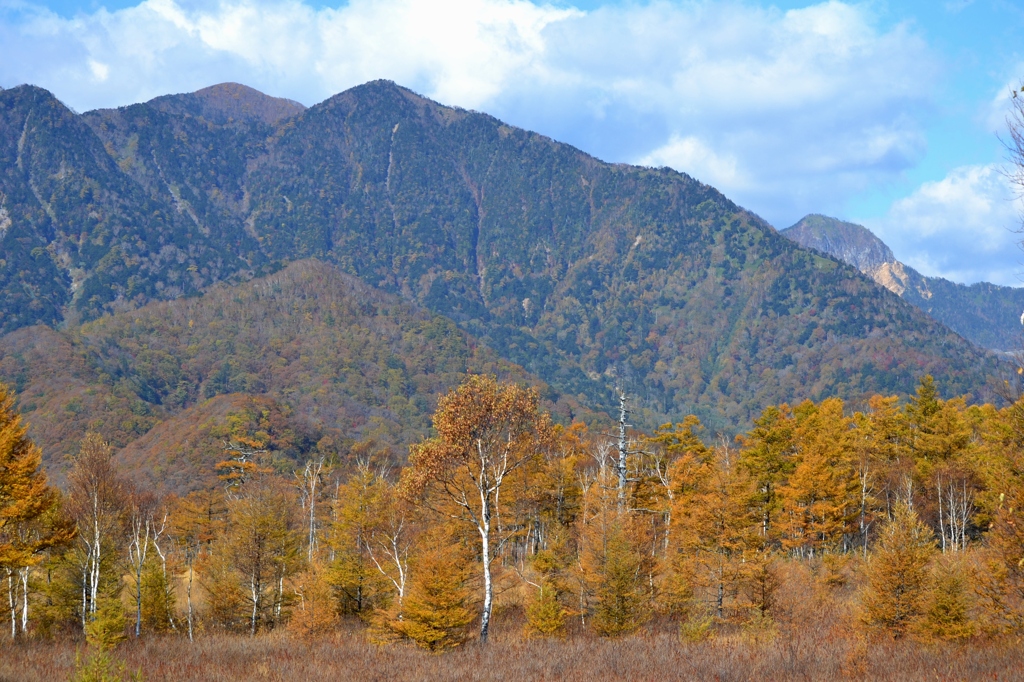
[
  {"x": 617, "y": 570},
  {"x": 262, "y": 543},
  {"x": 358, "y": 508},
  {"x": 767, "y": 456},
  {"x": 939, "y": 433},
  {"x": 883, "y": 462},
  {"x": 1001, "y": 585},
  {"x": 486, "y": 433},
  {"x": 654, "y": 491},
  {"x": 711, "y": 523},
  {"x": 819, "y": 500},
  {"x": 897, "y": 574},
  {"x": 195, "y": 522},
  {"x": 27, "y": 503},
  {"x": 438, "y": 607}
]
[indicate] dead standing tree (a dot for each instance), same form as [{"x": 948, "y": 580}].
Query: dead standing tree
[
  {"x": 143, "y": 531},
  {"x": 308, "y": 482}
]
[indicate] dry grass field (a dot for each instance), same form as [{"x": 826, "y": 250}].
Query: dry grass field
[
  {"x": 806, "y": 656},
  {"x": 815, "y": 638}
]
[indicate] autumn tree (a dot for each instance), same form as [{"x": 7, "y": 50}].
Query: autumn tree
[
  {"x": 893, "y": 598},
  {"x": 766, "y": 455},
  {"x": 882, "y": 461},
  {"x": 947, "y": 604},
  {"x": 316, "y": 612},
  {"x": 263, "y": 545},
  {"x": 545, "y": 613},
  {"x": 439, "y": 606},
  {"x": 617, "y": 572},
  {"x": 29, "y": 522},
  {"x": 97, "y": 501},
  {"x": 194, "y": 523},
  {"x": 819, "y": 499},
  {"x": 487, "y": 432},
  {"x": 359, "y": 507},
  {"x": 654, "y": 490},
  {"x": 938, "y": 432},
  {"x": 711, "y": 522},
  {"x": 1001, "y": 584}
]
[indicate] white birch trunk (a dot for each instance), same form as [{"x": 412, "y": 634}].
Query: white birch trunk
[
  {"x": 12, "y": 600},
  {"x": 621, "y": 464},
  {"x": 24, "y": 600}
]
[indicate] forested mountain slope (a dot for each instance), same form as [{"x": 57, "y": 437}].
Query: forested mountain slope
[
  {"x": 322, "y": 353},
  {"x": 986, "y": 314},
  {"x": 593, "y": 276}
]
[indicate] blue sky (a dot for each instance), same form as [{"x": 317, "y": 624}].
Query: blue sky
[{"x": 883, "y": 113}]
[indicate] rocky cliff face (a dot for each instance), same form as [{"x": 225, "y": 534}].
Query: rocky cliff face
[
  {"x": 986, "y": 314},
  {"x": 850, "y": 243}
]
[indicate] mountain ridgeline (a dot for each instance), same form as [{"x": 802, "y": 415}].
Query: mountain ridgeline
[
  {"x": 595, "y": 277},
  {"x": 986, "y": 314}
]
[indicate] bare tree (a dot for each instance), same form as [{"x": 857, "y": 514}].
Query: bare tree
[
  {"x": 1015, "y": 144},
  {"x": 144, "y": 530},
  {"x": 956, "y": 506},
  {"x": 96, "y": 501},
  {"x": 308, "y": 482}
]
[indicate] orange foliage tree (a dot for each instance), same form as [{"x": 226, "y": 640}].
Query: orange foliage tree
[{"x": 488, "y": 432}]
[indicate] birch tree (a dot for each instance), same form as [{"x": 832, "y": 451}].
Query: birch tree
[
  {"x": 487, "y": 433},
  {"x": 96, "y": 501},
  {"x": 310, "y": 484},
  {"x": 144, "y": 531}
]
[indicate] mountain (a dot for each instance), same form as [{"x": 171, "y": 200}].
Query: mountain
[
  {"x": 320, "y": 352},
  {"x": 591, "y": 276},
  {"x": 986, "y": 314}
]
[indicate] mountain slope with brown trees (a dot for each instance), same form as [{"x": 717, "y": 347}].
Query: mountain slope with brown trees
[
  {"x": 593, "y": 276},
  {"x": 308, "y": 353}
]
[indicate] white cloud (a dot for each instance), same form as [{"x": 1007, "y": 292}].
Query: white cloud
[
  {"x": 697, "y": 158},
  {"x": 460, "y": 51},
  {"x": 999, "y": 106},
  {"x": 100, "y": 71},
  {"x": 787, "y": 112},
  {"x": 962, "y": 227}
]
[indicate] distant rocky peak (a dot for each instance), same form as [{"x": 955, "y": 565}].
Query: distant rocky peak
[
  {"x": 848, "y": 242},
  {"x": 858, "y": 246}
]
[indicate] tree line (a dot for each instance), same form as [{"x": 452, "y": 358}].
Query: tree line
[{"x": 500, "y": 507}]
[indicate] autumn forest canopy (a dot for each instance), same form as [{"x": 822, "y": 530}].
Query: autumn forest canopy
[{"x": 905, "y": 517}]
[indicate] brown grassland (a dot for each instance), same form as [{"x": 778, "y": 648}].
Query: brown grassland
[{"x": 815, "y": 636}]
